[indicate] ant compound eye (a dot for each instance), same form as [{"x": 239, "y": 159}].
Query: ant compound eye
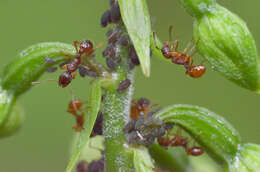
[{"x": 64, "y": 79}]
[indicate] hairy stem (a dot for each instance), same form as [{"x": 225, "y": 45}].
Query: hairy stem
[{"x": 116, "y": 107}]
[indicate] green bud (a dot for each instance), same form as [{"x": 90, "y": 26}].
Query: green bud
[
  {"x": 247, "y": 160},
  {"x": 13, "y": 123},
  {"x": 219, "y": 139},
  {"x": 225, "y": 42},
  {"x": 10, "y": 114}
]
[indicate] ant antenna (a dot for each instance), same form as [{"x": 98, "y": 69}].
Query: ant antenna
[
  {"x": 102, "y": 43},
  {"x": 170, "y": 33},
  {"x": 48, "y": 80}
]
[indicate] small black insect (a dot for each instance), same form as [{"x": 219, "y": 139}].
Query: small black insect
[
  {"x": 82, "y": 166},
  {"x": 111, "y": 63},
  {"x": 86, "y": 71},
  {"x": 96, "y": 166},
  {"x": 123, "y": 40},
  {"x": 52, "y": 69},
  {"x": 106, "y": 18},
  {"x": 123, "y": 85},
  {"x": 115, "y": 13},
  {"x": 49, "y": 60},
  {"x": 98, "y": 127}
]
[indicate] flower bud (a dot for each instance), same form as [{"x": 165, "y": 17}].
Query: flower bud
[
  {"x": 10, "y": 114},
  {"x": 225, "y": 42}
]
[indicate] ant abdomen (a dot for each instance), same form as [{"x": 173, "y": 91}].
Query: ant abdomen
[
  {"x": 196, "y": 71},
  {"x": 195, "y": 151},
  {"x": 64, "y": 79}
]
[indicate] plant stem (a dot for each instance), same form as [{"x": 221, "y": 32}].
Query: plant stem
[{"x": 116, "y": 107}]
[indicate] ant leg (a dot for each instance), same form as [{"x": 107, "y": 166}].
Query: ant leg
[
  {"x": 48, "y": 80},
  {"x": 170, "y": 33},
  {"x": 76, "y": 46},
  {"x": 74, "y": 75},
  {"x": 188, "y": 45},
  {"x": 176, "y": 43},
  {"x": 66, "y": 55},
  {"x": 99, "y": 45}
]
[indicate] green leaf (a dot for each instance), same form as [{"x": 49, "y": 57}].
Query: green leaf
[
  {"x": 225, "y": 42},
  {"x": 219, "y": 139},
  {"x": 30, "y": 64},
  {"x": 83, "y": 138},
  {"x": 155, "y": 42},
  {"x": 136, "y": 18},
  {"x": 173, "y": 159},
  {"x": 142, "y": 160},
  {"x": 247, "y": 160}
]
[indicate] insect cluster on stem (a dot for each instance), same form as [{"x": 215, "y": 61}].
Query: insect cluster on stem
[{"x": 143, "y": 128}]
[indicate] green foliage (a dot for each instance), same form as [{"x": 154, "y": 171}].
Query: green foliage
[
  {"x": 30, "y": 64},
  {"x": 213, "y": 132},
  {"x": 225, "y": 42},
  {"x": 136, "y": 18},
  {"x": 83, "y": 138}
]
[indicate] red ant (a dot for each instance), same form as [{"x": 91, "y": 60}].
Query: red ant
[
  {"x": 140, "y": 106},
  {"x": 86, "y": 46},
  {"x": 74, "y": 107},
  {"x": 170, "y": 51},
  {"x": 179, "y": 141}
]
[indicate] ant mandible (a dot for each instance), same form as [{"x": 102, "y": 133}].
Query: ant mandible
[
  {"x": 170, "y": 51},
  {"x": 86, "y": 46}
]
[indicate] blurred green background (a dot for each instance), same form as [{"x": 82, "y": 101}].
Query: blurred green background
[{"x": 43, "y": 142}]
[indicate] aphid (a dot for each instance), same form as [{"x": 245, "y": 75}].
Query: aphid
[
  {"x": 52, "y": 69},
  {"x": 82, "y": 166},
  {"x": 123, "y": 40},
  {"x": 109, "y": 51},
  {"x": 123, "y": 85},
  {"x": 86, "y": 71},
  {"x": 49, "y": 60},
  {"x": 133, "y": 56},
  {"x": 96, "y": 166},
  {"x": 115, "y": 13},
  {"x": 195, "y": 151},
  {"x": 111, "y": 63},
  {"x": 106, "y": 18},
  {"x": 98, "y": 126}
]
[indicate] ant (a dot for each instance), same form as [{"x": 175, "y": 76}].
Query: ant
[
  {"x": 138, "y": 107},
  {"x": 86, "y": 46},
  {"x": 74, "y": 107},
  {"x": 180, "y": 141},
  {"x": 170, "y": 51}
]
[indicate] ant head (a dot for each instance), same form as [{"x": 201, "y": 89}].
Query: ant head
[
  {"x": 64, "y": 79},
  {"x": 86, "y": 46},
  {"x": 143, "y": 102}
]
